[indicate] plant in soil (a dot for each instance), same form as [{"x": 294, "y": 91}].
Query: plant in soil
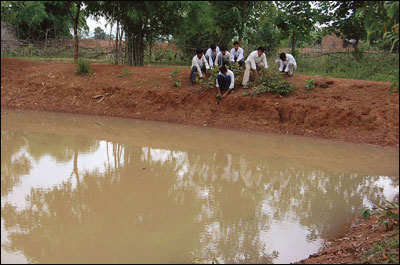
[
  {"x": 208, "y": 82},
  {"x": 176, "y": 81},
  {"x": 309, "y": 84},
  {"x": 386, "y": 250},
  {"x": 125, "y": 72},
  {"x": 270, "y": 82},
  {"x": 83, "y": 67},
  {"x": 237, "y": 71}
]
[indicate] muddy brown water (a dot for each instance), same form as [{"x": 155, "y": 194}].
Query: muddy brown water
[{"x": 87, "y": 189}]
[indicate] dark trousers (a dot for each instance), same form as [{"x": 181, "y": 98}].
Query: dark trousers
[
  {"x": 224, "y": 82},
  {"x": 193, "y": 73},
  {"x": 208, "y": 57},
  {"x": 240, "y": 62}
]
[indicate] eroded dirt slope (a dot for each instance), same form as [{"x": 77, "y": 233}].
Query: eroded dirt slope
[{"x": 349, "y": 110}]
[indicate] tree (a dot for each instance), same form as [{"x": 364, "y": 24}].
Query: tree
[
  {"x": 99, "y": 33},
  {"x": 263, "y": 30},
  {"x": 36, "y": 20},
  {"x": 236, "y": 16},
  {"x": 198, "y": 29},
  {"x": 345, "y": 20},
  {"x": 297, "y": 20},
  {"x": 74, "y": 11}
]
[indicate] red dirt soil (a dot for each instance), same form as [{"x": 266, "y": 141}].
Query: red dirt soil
[
  {"x": 350, "y": 248},
  {"x": 348, "y": 110}
]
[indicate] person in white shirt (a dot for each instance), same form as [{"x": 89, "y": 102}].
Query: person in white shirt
[
  {"x": 237, "y": 54},
  {"x": 199, "y": 64},
  {"x": 225, "y": 81},
  {"x": 211, "y": 54},
  {"x": 223, "y": 57},
  {"x": 254, "y": 62},
  {"x": 286, "y": 64}
]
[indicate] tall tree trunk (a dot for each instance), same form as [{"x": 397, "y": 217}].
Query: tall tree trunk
[
  {"x": 120, "y": 45},
  {"x": 135, "y": 48},
  {"x": 116, "y": 45},
  {"x": 76, "y": 50},
  {"x": 75, "y": 20}
]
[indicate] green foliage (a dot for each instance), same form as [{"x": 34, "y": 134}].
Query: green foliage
[
  {"x": 309, "y": 84},
  {"x": 384, "y": 251},
  {"x": 177, "y": 81},
  {"x": 168, "y": 57},
  {"x": 297, "y": 27},
  {"x": 372, "y": 66},
  {"x": 29, "y": 50},
  {"x": 395, "y": 84},
  {"x": 237, "y": 72},
  {"x": 36, "y": 20},
  {"x": 270, "y": 82},
  {"x": 125, "y": 72},
  {"x": 83, "y": 67},
  {"x": 366, "y": 213},
  {"x": 208, "y": 82},
  {"x": 386, "y": 213},
  {"x": 99, "y": 33}
]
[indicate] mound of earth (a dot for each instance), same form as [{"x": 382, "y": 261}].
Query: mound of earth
[{"x": 347, "y": 110}]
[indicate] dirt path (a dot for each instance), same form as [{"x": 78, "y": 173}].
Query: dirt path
[{"x": 348, "y": 110}]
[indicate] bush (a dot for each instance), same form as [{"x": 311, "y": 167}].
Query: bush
[
  {"x": 309, "y": 84},
  {"x": 210, "y": 81},
  {"x": 270, "y": 82},
  {"x": 237, "y": 71},
  {"x": 177, "y": 81},
  {"x": 125, "y": 72},
  {"x": 83, "y": 67}
]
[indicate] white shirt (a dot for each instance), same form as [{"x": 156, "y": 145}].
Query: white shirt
[
  {"x": 230, "y": 73},
  {"x": 289, "y": 59},
  {"x": 220, "y": 54},
  {"x": 209, "y": 52},
  {"x": 254, "y": 59},
  {"x": 199, "y": 63},
  {"x": 238, "y": 53}
]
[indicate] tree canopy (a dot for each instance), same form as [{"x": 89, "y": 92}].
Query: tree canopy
[{"x": 197, "y": 24}]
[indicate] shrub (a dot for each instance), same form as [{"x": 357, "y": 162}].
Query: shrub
[
  {"x": 177, "y": 81},
  {"x": 309, "y": 84},
  {"x": 237, "y": 71},
  {"x": 125, "y": 72},
  {"x": 271, "y": 82},
  {"x": 83, "y": 67},
  {"x": 209, "y": 81}
]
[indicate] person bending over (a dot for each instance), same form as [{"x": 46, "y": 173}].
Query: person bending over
[
  {"x": 211, "y": 54},
  {"x": 286, "y": 64},
  {"x": 200, "y": 65},
  {"x": 225, "y": 82},
  {"x": 223, "y": 57},
  {"x": 256, "y": 61}
]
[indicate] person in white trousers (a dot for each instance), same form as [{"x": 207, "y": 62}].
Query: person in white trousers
[
  {"x": 286, "y": 64},
  {"x": 254, "y": 62}
]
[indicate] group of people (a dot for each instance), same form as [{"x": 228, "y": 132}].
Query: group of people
[{"x": 225, "y": 83}]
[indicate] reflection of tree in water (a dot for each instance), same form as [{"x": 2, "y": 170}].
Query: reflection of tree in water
[
  {"x": 218, "y": 199},
  {"x": 14, "y": 164}
]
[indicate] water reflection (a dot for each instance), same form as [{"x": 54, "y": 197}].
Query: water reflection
[{"x": 110, "y": 201}]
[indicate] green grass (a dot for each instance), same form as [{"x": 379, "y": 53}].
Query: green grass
[
  {"x": 381, "y": 66},
  {"x": 61, "y": 59},
  {"x": 377, "y": 67}
]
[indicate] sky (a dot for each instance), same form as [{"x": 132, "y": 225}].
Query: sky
[{"x": 92, "y": 24}]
